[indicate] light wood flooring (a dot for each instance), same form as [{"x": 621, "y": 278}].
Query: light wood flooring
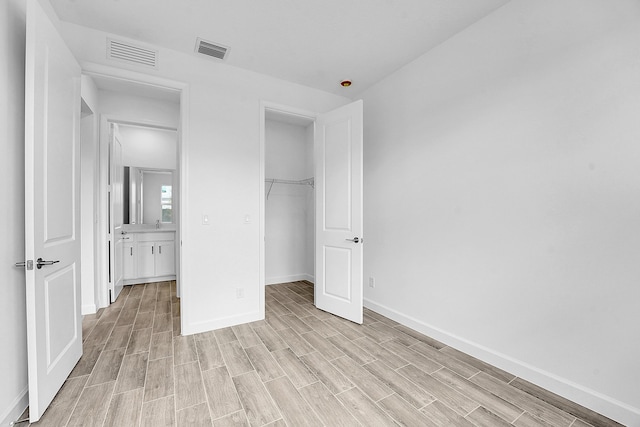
[{"x": 298, "y": 367}]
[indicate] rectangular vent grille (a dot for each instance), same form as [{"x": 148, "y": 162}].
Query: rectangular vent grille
[
  {"x": 134, "y": 54},
  {"x": 210, "y": 49}
]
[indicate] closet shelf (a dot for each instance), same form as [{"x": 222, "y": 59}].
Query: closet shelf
[{"x": 308, "y": 181}]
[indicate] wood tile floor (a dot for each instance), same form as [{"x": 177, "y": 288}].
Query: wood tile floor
[{"x": 298, "y": 367}]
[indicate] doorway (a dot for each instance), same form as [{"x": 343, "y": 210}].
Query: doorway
[
  {"x": 289, "y": 198},
  {"x": 334, "y": 209},
  {"x": 143, "y": 198},
  {"x": 147, "y": 113}
]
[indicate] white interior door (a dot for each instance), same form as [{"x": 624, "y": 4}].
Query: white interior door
[
  {"x": 338, "y": 184},
  {"x": 116, "y": 196},
  {"x": 52, "y": 209}
]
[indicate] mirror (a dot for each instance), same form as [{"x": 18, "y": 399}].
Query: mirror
[{"x": 150, "y": 195}]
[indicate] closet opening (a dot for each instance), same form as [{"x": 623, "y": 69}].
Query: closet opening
[
  {"x": 311, "y": 207},
  {"x": 289, "y": 197}
]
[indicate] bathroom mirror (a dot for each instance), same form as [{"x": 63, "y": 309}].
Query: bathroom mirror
[{"x": 149, "y": 195}]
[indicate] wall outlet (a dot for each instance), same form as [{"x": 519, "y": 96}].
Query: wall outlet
[
  {"x": 372, "y": 282},
  {"x": 239, "y": 293}
]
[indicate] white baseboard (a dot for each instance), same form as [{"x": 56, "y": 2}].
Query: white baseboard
[
  {"x": 286, "y": 279},
  {"x": 198, "y": 327},
  {"x": 143, "y": 280},
  {"x": 598, "y": 402},
  {"x": 88, "y": 309},
  {"x": 15, "y": 409}
]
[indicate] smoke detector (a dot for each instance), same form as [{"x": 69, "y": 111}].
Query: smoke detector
[{"x": 211, "y": 49}]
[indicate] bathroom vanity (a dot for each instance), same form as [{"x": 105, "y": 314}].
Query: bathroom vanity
[
  {"x": 149, "y": 255},
  {"x": 149, "y": 230}
]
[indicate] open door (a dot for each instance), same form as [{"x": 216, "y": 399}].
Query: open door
[
  {"x": 116, "y": 213},
  {"x": 52, "y": 210},
  {"x": 338, "y": 183}
]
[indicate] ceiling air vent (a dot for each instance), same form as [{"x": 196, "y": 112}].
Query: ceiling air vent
[
  {"x": 121, "y": 51},
  {"x": 210, "y": 49}
]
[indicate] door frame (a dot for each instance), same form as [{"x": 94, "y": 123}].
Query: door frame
[
  {"x": 126, "y": 76},
  {"x": 290, "y": 111},
  {"x": 113, "y": 135},
  {"x": 106, "y": 120}
]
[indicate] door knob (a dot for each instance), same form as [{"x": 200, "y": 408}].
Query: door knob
[
  {"x": 354, "y": 240},
  {"x": 40, "y": 262}
]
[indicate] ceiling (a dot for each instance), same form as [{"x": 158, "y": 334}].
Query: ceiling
[{"x": 313, "y": 43}]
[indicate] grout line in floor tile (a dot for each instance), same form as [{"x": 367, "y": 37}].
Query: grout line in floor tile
[{"x": 292, "y": 294}]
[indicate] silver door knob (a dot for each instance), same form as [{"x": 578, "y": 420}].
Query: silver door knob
[
  {"x": 40, "y": 262},
  {"x": 354, "y": 240}
]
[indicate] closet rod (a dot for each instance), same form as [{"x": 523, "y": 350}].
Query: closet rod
[{"x": 308, "y": 181}]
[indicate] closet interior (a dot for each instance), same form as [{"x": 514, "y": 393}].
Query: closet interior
[{"x": 289, "y": 198}]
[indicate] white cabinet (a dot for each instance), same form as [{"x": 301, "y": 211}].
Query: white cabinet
[
  {"x": 130, "y": 271},
  {"x": 150, "y": 256},
  {"x": 165, "y": 258},
  {"x": 146, "y": 259}
]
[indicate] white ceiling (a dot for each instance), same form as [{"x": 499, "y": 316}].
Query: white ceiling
[{"x": 313, "y": 43}]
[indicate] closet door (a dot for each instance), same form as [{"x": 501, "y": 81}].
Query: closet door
[{"x": 338, "y": 180}]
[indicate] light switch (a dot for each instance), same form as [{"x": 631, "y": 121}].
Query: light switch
[
  {"x": 247, "y": 219},
  {"x": 205, "y": 219}
]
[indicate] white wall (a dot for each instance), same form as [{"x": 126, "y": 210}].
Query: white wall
[
  {"x": 88, "y": 195},
  {"x": 145, "y": 147},
  {"x": 310, "y": 203},
  {"x": 221, "y": 175},
  {"x": 13, "y": 358},
  {"x": 138, "y": 109},
  {"x": 286, "y": 151},
  {"x": 88, "y": 217},
  {"x": 287, "y": 210},
  {"x": 501, "y": 196}
]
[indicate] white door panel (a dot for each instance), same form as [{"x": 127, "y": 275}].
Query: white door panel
[
  {"x": 337, "y": 175},
  {"x": 338, "y": 183},
  {"x": 52, "y": 220},
  {"x": 337, "y": 277}
]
